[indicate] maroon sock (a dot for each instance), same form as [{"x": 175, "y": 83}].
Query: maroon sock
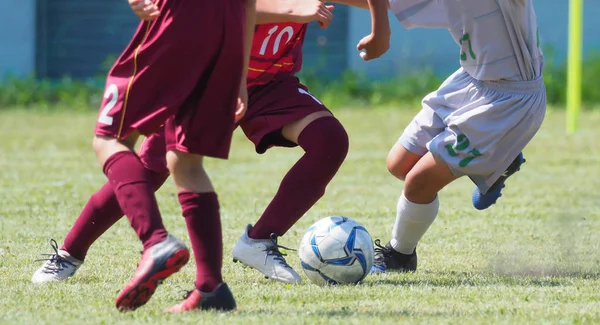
[
  {"x": 201, "y": 212},
  {"x": 99, "y": 214},
  {"x": 326, "y": 144},
  {"x": 134, "y": 191}
]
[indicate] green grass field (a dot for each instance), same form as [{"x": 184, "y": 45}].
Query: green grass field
[{"x": 532, "y": 258}]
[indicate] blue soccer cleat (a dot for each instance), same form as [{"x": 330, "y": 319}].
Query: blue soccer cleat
[{"x": 484, "y": 201}]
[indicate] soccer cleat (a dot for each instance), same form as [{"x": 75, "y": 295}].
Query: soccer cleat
[
  {"x": 221, "y": 299},
  {"x": 57, "y": 267},
  {"x": 484, "y": 201},
  {"x": 158, "y": 263},
  {"x": 264, "y": 255},
  {"x": 386, "y": 258}
]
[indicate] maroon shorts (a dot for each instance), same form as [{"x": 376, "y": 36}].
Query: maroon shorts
[
  {"x": 271, "y": 107},
  {"x": 274, "y": 105},
  {"x": 182, "y": 71}
]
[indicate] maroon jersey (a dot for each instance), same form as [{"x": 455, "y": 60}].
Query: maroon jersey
[{"x": 276, "y": 48}]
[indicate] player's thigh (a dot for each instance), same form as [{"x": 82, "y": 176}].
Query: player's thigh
[
  {"x": 307, "y": 106},
  {"x": 292, "y": 131},
  {"x": 278, "y": 112},
  {"x": 188, "y": 172}
]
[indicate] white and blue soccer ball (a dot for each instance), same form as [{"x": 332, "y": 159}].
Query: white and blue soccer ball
[{"x": 336, "y": 250}]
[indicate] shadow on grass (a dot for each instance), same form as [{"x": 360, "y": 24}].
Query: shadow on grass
[
  {"x": 344, "y": 312},
  {"x": 481, "y": 280}
]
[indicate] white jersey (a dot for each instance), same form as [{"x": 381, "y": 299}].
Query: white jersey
[{"x": 498, "y": 40}]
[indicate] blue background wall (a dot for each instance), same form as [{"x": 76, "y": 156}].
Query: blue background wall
[
  {"x": 413, "y": 49},
  {"x": 17, "y": 37},
  {"x": 75, "y": 38}
]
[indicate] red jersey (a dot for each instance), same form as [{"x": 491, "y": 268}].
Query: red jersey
[{"x": 276, "y": 48}]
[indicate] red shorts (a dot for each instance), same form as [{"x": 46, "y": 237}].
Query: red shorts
[
  {"x": 271, "y": 107},
  {"x": 182, "y": 71}
]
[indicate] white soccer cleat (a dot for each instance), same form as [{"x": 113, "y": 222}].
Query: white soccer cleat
[
  {"x": 264, "y": 255},
  {"x": 57, "y": 267}
]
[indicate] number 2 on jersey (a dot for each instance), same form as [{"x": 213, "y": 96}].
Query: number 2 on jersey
[
  {"x": 112, "y": 92},
  {"x": 286, "y": 31}
]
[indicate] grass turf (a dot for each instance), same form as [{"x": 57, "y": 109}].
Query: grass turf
[{"x": 532, "y": 258}]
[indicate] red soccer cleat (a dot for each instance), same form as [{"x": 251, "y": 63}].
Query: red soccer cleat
[
  {"x": 158, "y": 263},
  {"x": 221, "y": 300}
]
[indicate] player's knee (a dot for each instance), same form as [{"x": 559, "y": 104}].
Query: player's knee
[
  {"x": 188, "y": 172},
  {"x": 108, "y": 146},
  {"x": 330, "y": 140},
  {"x": 338, "y": 142},
  {"x": 184, "y": 163},
  {"x": 417, "y": 189},
  {"x": 395, "y": 168},
  {"x": 400, "y": 161}
]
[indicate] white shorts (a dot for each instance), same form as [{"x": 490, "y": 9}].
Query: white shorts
[{"x": 477, "y": 127}]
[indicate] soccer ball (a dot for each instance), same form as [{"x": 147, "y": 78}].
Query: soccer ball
[{"x": 336, "y": 250}]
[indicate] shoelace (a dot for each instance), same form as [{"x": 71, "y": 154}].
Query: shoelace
[
  {"x": 274, "y": 251},
  {"x": 382, "y": 250},
  {"x": 57, "y": 262}
]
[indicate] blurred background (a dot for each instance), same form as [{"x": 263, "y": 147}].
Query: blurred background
[{"x": 47, "y": 45}]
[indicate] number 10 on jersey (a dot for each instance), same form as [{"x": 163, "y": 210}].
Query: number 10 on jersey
[{"x": 287, "y": 31}]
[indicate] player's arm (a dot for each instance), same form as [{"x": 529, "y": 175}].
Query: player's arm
[
  {"x": 296, "y": 11},
  {"x": 251, "y": 21},
  {"x": 378, "y": 42},
  {"x": 364, "y": 4},
  {"x": 144, "y": 9},
  {"x": 248, "y": 37}
]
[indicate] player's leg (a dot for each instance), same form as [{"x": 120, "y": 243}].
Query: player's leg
[
  {"x": 167, "y": 61},
  {"x": 204, "y": 127},
  {"x": 325, "y": 144},
  {"x": 134, "y": 189},
  {"x": 284, "y": 113},
  {"x": 408, "y": 160},
  {"x": 416, "y": 210},
  {"x": 200, "y": 209},
  {"x": 200, "y": 204},
  {"x": 99, "y": 214}
]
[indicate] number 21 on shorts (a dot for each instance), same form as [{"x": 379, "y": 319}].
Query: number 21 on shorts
[{"x": 112, "y": 92}]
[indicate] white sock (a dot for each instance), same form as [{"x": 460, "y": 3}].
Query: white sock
[{"x": 412, "y": 221}]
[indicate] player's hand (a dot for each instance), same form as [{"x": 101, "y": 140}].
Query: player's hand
[
  {"x": 373, "y": 46},
  {"x": 306, "y": 11},
  {"x": 145, "y": 9},
  {"x": 242, "y": 104}
]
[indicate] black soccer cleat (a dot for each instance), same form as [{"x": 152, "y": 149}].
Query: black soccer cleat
[
  {"x": 386, "y": 258},
  {"x": 220, "y": 300}
]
